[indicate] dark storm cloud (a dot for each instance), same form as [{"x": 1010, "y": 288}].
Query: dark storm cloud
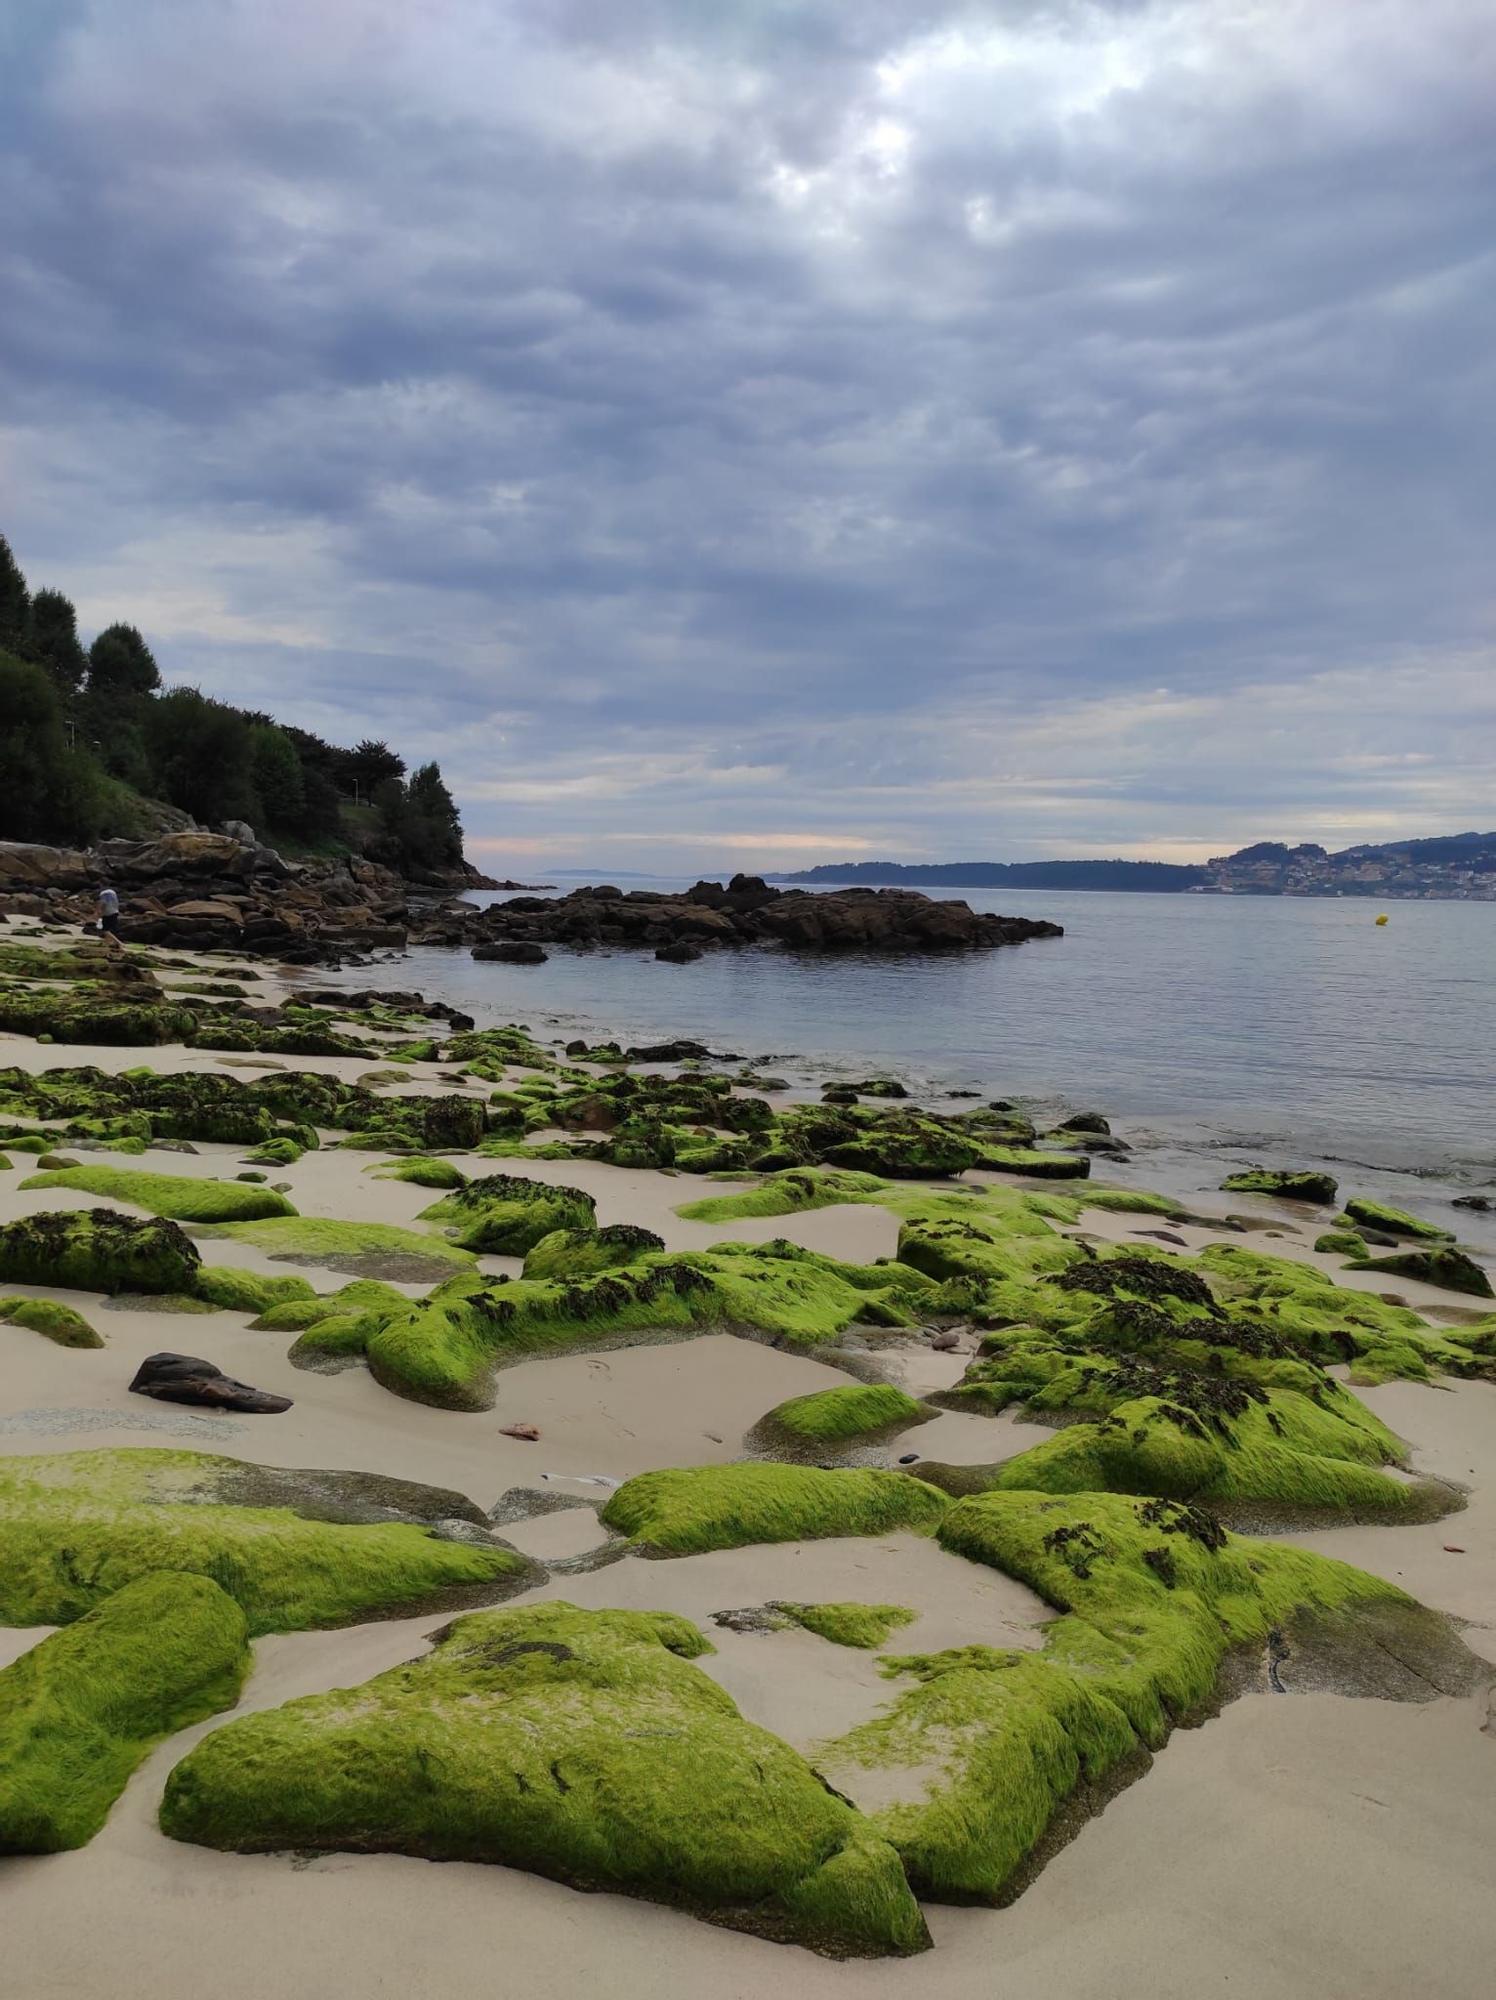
[{"x": 996, "y": 429}]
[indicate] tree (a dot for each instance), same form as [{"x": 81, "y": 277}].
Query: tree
[
  {"x": 434, "y": 834},
  {"x": 15, "y": 604},
  {"x": 54, "y": 640},
  {"x": 201, "y": 755},
  {"x": 49, "y": 791},
  {"x": 278, "y": 782},
  {"x": 370, "y": 765},
  {"x": 121, "y": 663}
]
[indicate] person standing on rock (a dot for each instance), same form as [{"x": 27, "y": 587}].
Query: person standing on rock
[{"x": 109, "y": 920}]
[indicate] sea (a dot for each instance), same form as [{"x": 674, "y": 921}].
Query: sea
[{"x": 1214, "y": 1031}]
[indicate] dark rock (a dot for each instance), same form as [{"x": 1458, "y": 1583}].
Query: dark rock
[
  {"x": 511, "y": 951},
  {"x": 1086, "y": 1121},
  {"x": 183, "y": 1378},
  {"x": 669, "y": 1052},
  {"x": 679, "y": 954},
  {"x": 1481, "y": 1203}
]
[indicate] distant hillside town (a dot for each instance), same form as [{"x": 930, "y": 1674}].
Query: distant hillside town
[{"x": 1460, "y": 867}]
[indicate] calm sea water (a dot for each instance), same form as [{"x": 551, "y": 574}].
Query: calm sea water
[{"x": 1254, "y": 1027}]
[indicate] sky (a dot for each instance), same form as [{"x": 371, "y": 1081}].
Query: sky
[{"x": 753, "y": 435}]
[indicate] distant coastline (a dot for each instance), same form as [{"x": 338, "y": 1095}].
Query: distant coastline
[{"x": 1454, "y": 867}]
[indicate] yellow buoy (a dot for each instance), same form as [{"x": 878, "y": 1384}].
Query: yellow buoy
[{"x": 1381, "y": 920}]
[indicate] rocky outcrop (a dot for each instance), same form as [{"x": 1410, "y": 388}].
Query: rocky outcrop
[
  {"x": 678, "y": 928},
  {"x": 213, "y": 891}
]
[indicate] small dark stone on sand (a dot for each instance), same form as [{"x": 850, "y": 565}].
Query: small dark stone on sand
[{"x": 183, "y": 1378}]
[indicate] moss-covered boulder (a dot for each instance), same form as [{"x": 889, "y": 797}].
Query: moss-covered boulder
[
  {"x": 1379, "y": 1215},
  {"x": 297, "y": 1550},
  {"x": 53, "y": 1320},
  {"x": 79, "y": 1711},
  {"x": 789, "y": 1193},
  {"x": 505, "y": 1215},
  {"x": 1287, "y": 1183},
  {"x": 580, "y": 1745},
  {"x": 986, "y": 1745},
  {"x": 98, "y": 1250},
  {"x": 445, "y": 1349},
  {"x": 855, "y": 1410},
  {"x": 687, "y": 1510},
  {"x": 1034, "y": 1164},
  {"x": 582, "y": 1253},
  {"x": 1441, "y": 1264},
  {"x": 176, "y": 1196}
]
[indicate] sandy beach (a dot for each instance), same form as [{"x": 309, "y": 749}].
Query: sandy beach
[{"x": 1302, "y": 1844}]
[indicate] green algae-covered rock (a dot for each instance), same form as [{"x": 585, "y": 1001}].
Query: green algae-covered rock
[
  {"x": 859, "y": 1409},
  {"x": 1288, "y": 1183},
  {"x": 1035, "y": 1165},
  {"x": 582, "y": 1253},
  {"x": 297, "y": 1550},
  {"x": 506, "y": 1215},
  {"x": 1441, "y": 1264},
  {"x": 788, "y": 1193},
  {"x": 295, "y": 1312},
  {"x": 176, "y": 1196},
  {"x": 687, "y": 1510},
  {"x": 580, "y": 1745},
  {"x": 445, "y": 1349},
  {"x": 227, "y": 1289},
  {"x": 97, "y": 1250},
  {"x": 79, "y": 1711},
  {"x": 1393, "y": 1221},
  {"x": 423, "y": 1171},
  {"x": 1328, "y": 1323},
  {"x": 361, "y": 1249},
  {"x": 52, "y": 1320},
  {"x": 1348, "y": 1243},
  {"x": 987, "y": 1744},
  {"x": 866, "y": 1626}
]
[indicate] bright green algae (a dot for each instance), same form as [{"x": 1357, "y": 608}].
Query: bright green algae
[
  {"x": 422, "y": 1171},
  {"x": 866, "y": 1626},
  {"x": 580, "y": 1745},
  {"x": 505, "y": 1215},
  {"x": 76, "y": 1526},
  {"x": 80, "y": 1710},
  {"x": 1183, "y": 1401},
  {"x": 445, "y": 1349},
  {"x": 1153, "y": 1594},
  {"x": 792, "y": 1192},
  {"x": 365, "y": 1249},
  {"x": 52, "y": 1320},
  {"x": 859, "y": 1409},
  {"x": 690, "y": 1509},
  {"x": 582, "y": 1253},
  {"x": 1395, "y": 1221},
  {"x": 178, "y": 1197}
]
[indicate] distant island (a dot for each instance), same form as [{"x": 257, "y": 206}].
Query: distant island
[{"x": 1458, "y": 867}]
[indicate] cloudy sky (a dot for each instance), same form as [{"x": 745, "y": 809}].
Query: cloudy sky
[{"x": 766, "y": 431}]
